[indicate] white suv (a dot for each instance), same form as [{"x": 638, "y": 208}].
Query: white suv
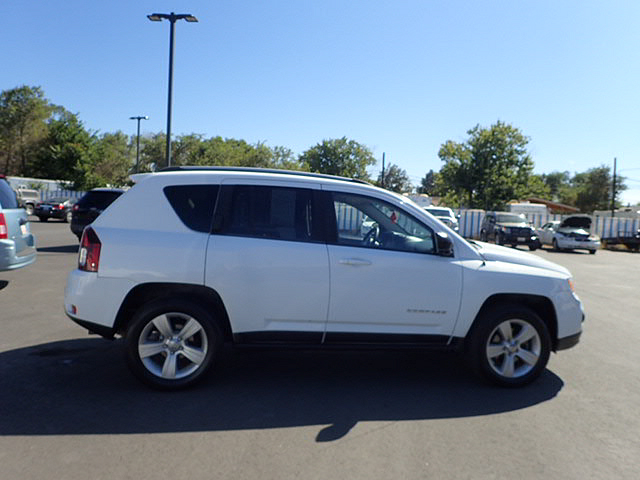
[{"x": 191, "y": 258}]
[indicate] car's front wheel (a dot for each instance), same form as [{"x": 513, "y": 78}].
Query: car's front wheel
[
  {"x": 172, "y": 343},
  {"x": 510, "y": 346}
]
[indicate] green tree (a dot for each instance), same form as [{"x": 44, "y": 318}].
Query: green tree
[
  {"x": 152, "y": 152},
  {"x": 559, "y": 185},
  {"x": 593, "y": 189},
  {"x": 343, "y": 157},
  {"x": 112, "y": 160},
  {"x": 491, "y": 168},
  {"x": 395, "y": 179},
  {"x": 428, "y": 183},
  {"x": 66, "y": 151},
  {"x": 23, "y": 114}
]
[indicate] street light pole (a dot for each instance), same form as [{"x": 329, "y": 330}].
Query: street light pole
[
  {"x": 173, "y": 18},
  {"x": 138, "y": 118}
]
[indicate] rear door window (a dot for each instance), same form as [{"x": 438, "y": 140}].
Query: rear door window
[{"x": 279, "y": 213}]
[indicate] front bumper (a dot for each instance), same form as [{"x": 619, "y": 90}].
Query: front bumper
[
  {"x": 568, "y": 342},
  {"x": 568, "y": 243},
  {"x": 518, "y": 239}
]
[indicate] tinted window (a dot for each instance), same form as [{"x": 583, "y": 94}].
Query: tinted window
[
  {"x": 270, "y": 212},
  {"x": 511, "y": 218},
  {"x": 194, "y": 204},
  {"x": 371, "y": 223},
  {"x": 7, "y": 196},
  {"x": 98, "y": 199},
  {"x": 57, "y": 199}
]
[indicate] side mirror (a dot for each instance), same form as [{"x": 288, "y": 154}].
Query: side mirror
[{"x": 444, "y": 244}]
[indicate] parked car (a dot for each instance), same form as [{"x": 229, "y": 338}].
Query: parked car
[
  {"x": 630, "y": 240},
  {"x": 55, "y": 207},
  {"x": 17, "y": 244},
  {"x": 445, "y": 215},
  {"x": 90, "y": 206},
  {"x": 28, "y": 199},
  {"x": 191, "y": 258},
  {"x": 572, "y": 233},
  {"x": 505, "y": 228}
]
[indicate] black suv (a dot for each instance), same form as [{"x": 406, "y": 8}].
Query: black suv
[
  {"x": 90, "y": 206},
  {"x": 507, "y": 228}
]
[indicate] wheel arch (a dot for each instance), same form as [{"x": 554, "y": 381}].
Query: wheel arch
[
  {"x": 539, "y": 304},
  {"x": 148, "y": 292}
]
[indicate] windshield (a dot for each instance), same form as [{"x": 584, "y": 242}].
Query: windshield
[
  {"x": 510, "y": 218},
  {"x": 98, "y": 199}
]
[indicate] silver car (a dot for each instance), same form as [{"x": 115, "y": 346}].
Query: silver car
[
  {"x": 572, "y": 233},
  {"x": 17, "y": 244}
]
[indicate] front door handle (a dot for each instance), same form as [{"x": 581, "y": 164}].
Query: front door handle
[{"x": 355, "y": 262}]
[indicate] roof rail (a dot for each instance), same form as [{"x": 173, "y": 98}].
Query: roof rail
[{"x": 261, "y": 170}]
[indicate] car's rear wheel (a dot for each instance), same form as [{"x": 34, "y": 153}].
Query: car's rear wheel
[
  {"x": 510, "y": 346},
  {"x": 67, "y": 217},
  {"x": 171, "y": 344}
]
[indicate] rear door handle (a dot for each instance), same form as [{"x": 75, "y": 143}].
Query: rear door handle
[{"x": 355, "y": 262}]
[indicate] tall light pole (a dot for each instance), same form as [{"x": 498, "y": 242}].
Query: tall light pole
[
  {"x": 138, "y": 118},
  {"x": 173, "y": 18}
]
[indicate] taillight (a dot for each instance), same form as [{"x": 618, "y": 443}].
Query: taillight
[
  {"x": 75, "y": 207},
  {"x": 61, "y": 207},
  {"x": 89, "y": 254},
  {"x": 4, "y": 230}
]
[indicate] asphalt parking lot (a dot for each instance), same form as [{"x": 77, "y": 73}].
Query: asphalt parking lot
[{"x": 69, "y": 408}]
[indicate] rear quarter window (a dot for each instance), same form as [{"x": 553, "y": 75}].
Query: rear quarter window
[
  {"x": 194, "y": 204},
  {"x": 7, "y": 196}
]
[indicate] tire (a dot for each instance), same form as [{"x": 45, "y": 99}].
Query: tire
[
  {"x": 484, "y": 236},
  {"x": 499, "y": 239},
  {"x": 509, "y": 346},
  {"x": 43, "y": 219},
  {"x": 160, "y": 355},
  {"x": 29, "y": 208},
  {"x": 534, "y": 246},
  {"x": 592, "y": 252},
  {"x": 555, "y": 245},
  {"x": 67, "y": 217}
]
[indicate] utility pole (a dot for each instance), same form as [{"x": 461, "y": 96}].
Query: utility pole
[
  {"x": 173, "y": 18},
  {"x": 138, "y": 118},
  {"x": 613, "y": 190},
  {"x": 382, "y": 169}
]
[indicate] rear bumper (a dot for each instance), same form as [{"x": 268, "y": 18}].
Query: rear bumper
[
  {"x": 9, "y": 260},
  {"x": 60, "y": 214},
  {"x": 101, "y": 330}
]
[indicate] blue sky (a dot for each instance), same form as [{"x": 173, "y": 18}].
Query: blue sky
[{"x": 400, "y": 77}]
